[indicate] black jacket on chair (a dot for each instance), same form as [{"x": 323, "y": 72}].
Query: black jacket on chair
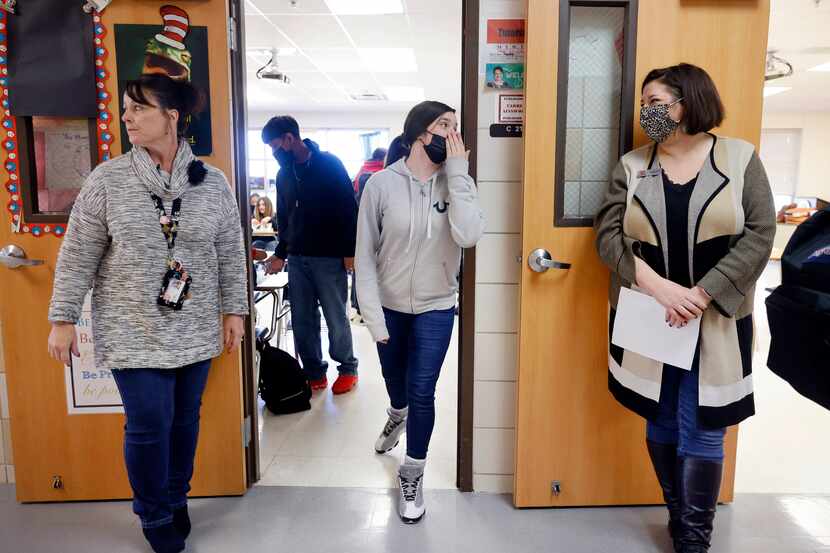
[{"x": 799, "y": 312}]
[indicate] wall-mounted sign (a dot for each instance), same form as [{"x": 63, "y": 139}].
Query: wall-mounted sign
[
  {"x": 506, "y": 131},
  {"x": 89, "y": 389},
  {"x": 510, "y": 108},
  {"x": 505, "y": 41},
  {"x": 175, "y": 49}
]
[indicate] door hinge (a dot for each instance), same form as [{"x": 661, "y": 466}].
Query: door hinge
[
  {"x": 246, "y": 431},
  {"x": 232, "y": 38}
]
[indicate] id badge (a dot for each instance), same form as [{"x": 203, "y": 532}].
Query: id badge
[{"x": 175, "y": 287}]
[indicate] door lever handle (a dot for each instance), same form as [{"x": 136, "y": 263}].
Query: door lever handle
[
  {"x": 540, "y": 261},
  {"x": 13, "y": 257}
]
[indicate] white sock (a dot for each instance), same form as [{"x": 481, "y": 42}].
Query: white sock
[
  {"x": 412, "y": 462},
  {"x": 399, "y": 413}
]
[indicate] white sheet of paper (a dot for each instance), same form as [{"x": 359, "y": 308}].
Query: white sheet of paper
[{"x": 640, "y": 326}]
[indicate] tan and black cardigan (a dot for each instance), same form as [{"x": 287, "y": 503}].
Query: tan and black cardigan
[{"x": 731, "y": 230}]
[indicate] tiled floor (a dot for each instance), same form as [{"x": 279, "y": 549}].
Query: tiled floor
[
  {"x": 333, "y": 443},
  {"x": 337, "y": 520}
]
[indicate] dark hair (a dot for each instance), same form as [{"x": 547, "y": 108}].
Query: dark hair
[
  {"x": 396, "y": 151},
  {"x": 168, "y": 93},
  {"x": 702, "y": 107},
  {"x": 379, "y": 154},
  {"x": 498, "y": 68},
  {"x": 278, "y": 126},
  {"x": 420, "y": 118}
]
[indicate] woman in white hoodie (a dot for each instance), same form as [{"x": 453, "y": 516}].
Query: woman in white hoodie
[{"x": 415, "y": 217}]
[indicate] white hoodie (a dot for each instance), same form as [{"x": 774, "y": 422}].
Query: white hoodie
[{"x": 409, "y": 239}]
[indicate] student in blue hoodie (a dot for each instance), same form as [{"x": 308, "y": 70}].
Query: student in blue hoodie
[
  {"x": 415, "y": 217},
  {"x": 316, "y": 220}
]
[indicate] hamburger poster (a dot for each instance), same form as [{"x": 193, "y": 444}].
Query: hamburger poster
[{"x": 172, "y": 47}]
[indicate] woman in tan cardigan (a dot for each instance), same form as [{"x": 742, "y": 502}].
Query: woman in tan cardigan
[{"x": 689, "y": 220}]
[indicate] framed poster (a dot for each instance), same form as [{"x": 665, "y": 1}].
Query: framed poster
[
  {"x": 89, "y": 389},
  {"x": 173, "y": 48}
]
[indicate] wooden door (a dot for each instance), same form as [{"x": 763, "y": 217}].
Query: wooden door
[
  {"x": 86, "y": 450},
  {"x": 569, "y": 428}
]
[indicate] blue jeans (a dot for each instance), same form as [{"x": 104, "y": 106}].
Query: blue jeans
[
  {"x": 676, "y": 422},
  {"x": 313, "y": 282},
  {"x": 162, "y": 408},
  {"x": 411, "y": 363}
]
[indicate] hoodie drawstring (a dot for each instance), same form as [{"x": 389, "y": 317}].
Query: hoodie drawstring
[{"x": 412, "y": 213}]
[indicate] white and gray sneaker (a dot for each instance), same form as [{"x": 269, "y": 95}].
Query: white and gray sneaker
[
  {"x": 392, "y": 430},
  {"x": 411, "y": 506}
]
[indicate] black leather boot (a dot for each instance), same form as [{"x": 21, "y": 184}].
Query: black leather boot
[
  {"x": 181, "y": 520},
  {"x": 699, "y": 488},
  {"x": 164, "y": 539},
  {"x": 664, "y": 459}
]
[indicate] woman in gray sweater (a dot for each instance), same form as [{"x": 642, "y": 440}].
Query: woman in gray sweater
[
  {"x": 157, "y": 235},
  {"x": 415, "y": 217}
]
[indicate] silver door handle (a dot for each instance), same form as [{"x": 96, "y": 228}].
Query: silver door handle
[
  {"x": 13, "y": 257},
  {"x": 540, "y": 261}
]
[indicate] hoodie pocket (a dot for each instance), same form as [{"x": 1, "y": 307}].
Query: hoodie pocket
[
  {"x": 393, "y": 282},
  {"x": 433, "y": 282}
]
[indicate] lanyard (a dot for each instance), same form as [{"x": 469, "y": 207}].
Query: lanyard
[{"x": 169, "y": 223}]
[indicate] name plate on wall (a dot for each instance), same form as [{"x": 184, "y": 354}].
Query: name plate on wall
[{"x": 506, "y": 131}]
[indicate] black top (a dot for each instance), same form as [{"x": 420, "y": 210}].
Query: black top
[
  {"x": 316, "y": 209},
  {"x": 677, "y": 218}
]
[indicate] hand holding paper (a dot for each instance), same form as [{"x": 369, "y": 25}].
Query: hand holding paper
[{"x": 640, "y": 326}]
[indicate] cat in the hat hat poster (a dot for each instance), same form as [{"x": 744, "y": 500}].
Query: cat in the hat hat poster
[{"x": 175, "y": 48}]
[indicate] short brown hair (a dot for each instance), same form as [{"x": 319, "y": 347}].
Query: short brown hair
[{"x": 702, "y": 107}]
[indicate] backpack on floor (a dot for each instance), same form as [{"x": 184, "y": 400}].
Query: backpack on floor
[
  {"x": 799, "y": 312},
  {"x": 283, "y": 385}
]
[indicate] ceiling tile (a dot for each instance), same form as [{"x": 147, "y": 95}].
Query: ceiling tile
[
  {"x": 259, "y": 33},
  {"x": 380, "y": 31},
  {"x": 313, "y": 79},
  {"x": 285, "y": 7},
  {"x": 313, "y": 31}
]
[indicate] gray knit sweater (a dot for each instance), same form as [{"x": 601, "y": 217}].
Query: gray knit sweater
[{"x": 115, "y": 245}]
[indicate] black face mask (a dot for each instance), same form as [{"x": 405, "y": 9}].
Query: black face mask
[
  {"x": 285, "y": 159},
  {"x": 436, "y": 149}
]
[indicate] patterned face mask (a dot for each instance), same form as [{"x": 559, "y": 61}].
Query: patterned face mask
[{"x": 656, "y": 122}]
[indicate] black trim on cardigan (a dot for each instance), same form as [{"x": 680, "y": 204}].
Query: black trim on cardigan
[
  {"x": 727, "y": 415},
  {"x": 631, "y": 400}
]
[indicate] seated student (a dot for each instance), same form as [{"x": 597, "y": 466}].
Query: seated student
[{"x": 262, "y": 220}]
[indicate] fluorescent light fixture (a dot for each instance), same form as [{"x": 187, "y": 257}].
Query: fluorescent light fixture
[
  {"x": 773, "y": 90},
  {"x": 404, "y": 93},
  {"x": 365, "y": 7},
  {"x": 824, "y": 68},
  {"x": 389, "y": 60}
]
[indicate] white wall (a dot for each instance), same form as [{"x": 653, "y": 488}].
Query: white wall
[
  {"x": 336, "y": 120},
  {"x": 497, "y": 284},
  {"x": 814, "y": 169}
]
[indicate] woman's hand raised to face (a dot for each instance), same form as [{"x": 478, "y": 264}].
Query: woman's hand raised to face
[{"x": 455, "y": 146}]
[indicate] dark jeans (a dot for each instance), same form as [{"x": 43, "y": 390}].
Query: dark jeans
[
  {"x": 677, "y": 417},
  {"x": 315, "y": 282},
  {"x": 411, "y": 364},
  {"x": 162, "y": 408}
]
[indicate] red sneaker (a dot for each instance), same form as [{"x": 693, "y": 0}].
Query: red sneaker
[
  {"x": 344, "y": 383},
  {"x": 321, "y": 384}
]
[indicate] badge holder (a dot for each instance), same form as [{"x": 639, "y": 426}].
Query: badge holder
[{"x": 175, "y": 287}]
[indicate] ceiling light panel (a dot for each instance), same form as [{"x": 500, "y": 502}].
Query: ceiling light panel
[
  {"x": 389, "y": 60},
  {"x": 823, "y": 68},
  {"x": 365, "y": 7}
]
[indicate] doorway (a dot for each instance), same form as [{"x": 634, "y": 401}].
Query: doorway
[{"x": 350, "y": 75}]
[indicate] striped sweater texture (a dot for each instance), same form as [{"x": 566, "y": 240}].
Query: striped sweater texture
[{"x": 114, "y": 244}]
